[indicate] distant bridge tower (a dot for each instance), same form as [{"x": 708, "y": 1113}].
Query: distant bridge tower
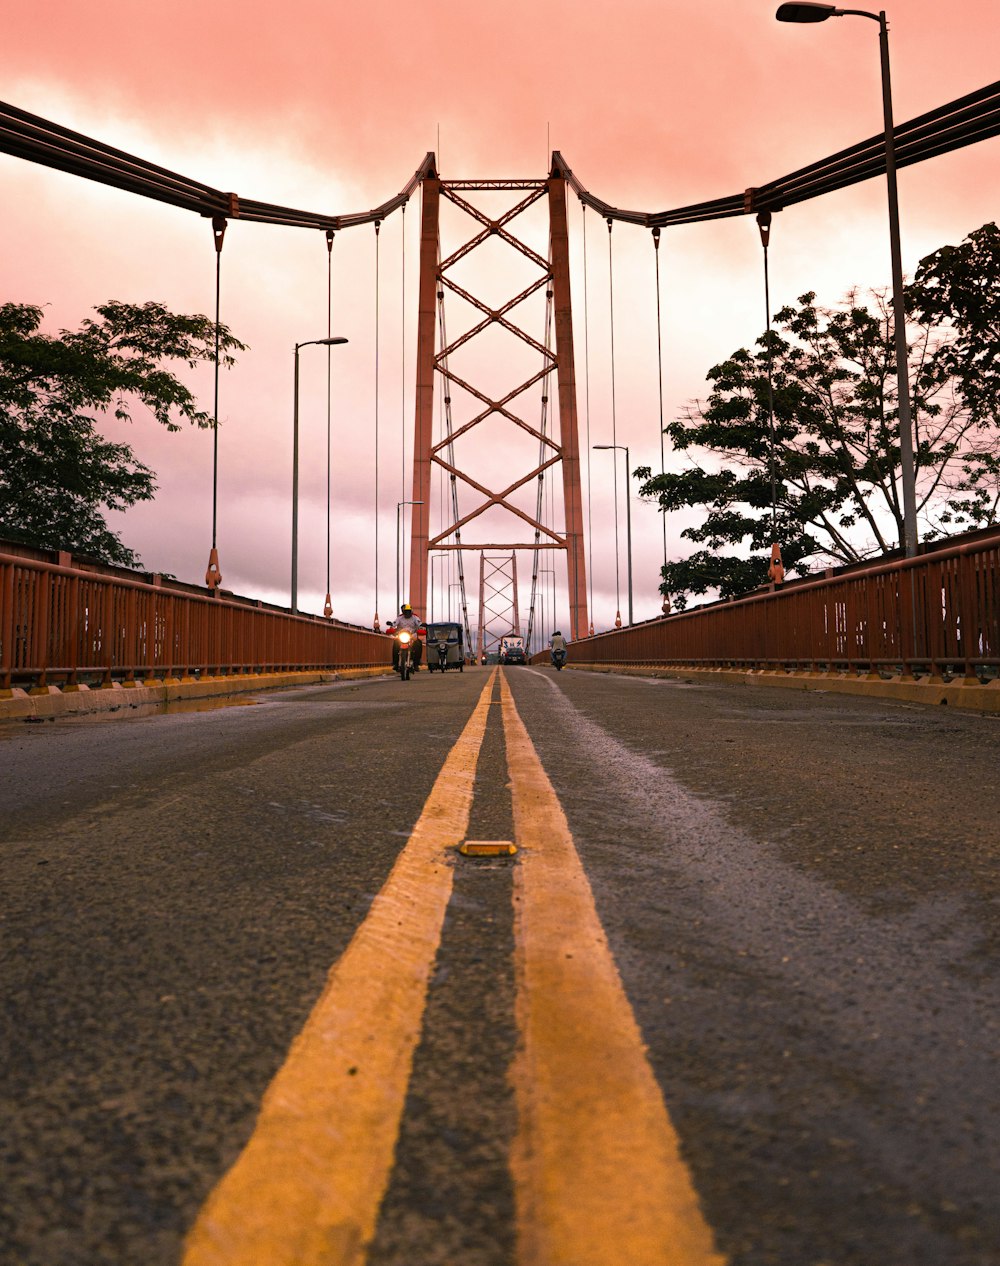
[
  {"x": 498, "y": 607},
  {"x": 493, "y": 376}
]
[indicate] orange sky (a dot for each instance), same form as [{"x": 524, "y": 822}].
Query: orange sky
[{"x": 331, "y": 107}]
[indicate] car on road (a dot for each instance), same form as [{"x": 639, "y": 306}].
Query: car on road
[{"x": 513, "y": 655}]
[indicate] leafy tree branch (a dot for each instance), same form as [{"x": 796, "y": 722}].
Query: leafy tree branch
[{"x": 58, "y": 474}]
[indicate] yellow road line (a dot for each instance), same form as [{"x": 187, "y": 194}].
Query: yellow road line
[
  {"x": 597, "y": 1169},
  {"x": 307, "y": 1188}
]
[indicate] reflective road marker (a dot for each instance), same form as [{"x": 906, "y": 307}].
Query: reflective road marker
[
  {"x": 597, "y": 1169},
  {"x": 487, "y": 848},
  {"x": 307, "y": 1187}
]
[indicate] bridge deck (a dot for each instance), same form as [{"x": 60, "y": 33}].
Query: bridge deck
[{"x": 764, "y": 920}]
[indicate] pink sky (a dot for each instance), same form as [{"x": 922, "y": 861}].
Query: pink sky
[{"x": 331, "y": 106}]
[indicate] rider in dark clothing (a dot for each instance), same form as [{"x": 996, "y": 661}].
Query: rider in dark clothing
[{"x": 408, "y": 621}]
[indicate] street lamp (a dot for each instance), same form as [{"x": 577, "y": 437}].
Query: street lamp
[
  {"x": 628, "y": 523},
  {"x": 548, "y": 571},
  {"x": 313, "y": 342},
  {"x": 542, "y": 599},
  {"x": 805, "y": 12},
  {"x": 399, "y": 506},
  {"x": 435, "y": 558}
]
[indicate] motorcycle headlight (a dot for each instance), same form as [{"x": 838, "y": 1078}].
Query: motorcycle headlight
[{"x": 404, "y": 639}]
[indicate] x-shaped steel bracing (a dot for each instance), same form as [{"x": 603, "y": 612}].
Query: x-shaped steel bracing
[
  {"x": 495, "y": 316},
  {"x": 434, "y": 351}
]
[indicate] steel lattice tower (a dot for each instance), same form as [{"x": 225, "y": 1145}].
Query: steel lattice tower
[{"x": 434, "y": 372}]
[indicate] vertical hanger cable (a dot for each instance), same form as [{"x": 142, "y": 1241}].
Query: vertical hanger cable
[
  {"x": 328, "y": 605},
  {"x": 586, "y": 375},
  {"x": 614, "y": 420},
  {"x": 377, "y": 323},
  {"x": 213, "y": 576},
  {"x": 659, "y": 361}
]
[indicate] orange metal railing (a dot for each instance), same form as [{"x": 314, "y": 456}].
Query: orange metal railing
[
  {"x": 62, "y": 624},
  {"x": 938, "y": 613}
]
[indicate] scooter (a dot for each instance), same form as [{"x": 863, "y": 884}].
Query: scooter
[{"x": 558, "y": 659}]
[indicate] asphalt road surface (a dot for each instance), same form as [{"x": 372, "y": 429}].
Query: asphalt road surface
[{"x": 794, "y": 896}]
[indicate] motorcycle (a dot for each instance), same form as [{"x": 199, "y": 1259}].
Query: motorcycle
[
  {"x": 558, "y": 659},
  {"x": 404, "y": 658}
]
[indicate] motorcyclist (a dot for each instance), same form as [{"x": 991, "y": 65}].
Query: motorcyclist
[
  {"x": 408, "y": 621},
  {"x": 557, "y": 646}
]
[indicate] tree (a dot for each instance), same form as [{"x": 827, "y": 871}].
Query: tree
[
  {"x": 959, "y": 286},
  {"x": 57, "y": 472},
  {"x": 824, "y": 481}
]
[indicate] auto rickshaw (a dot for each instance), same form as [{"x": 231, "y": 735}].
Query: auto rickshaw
[{"x": 444, "y": 647}]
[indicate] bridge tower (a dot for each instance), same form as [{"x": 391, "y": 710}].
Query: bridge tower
[
  {"x": 498, "y": 607},
  {"x": 494, "y": 377}
]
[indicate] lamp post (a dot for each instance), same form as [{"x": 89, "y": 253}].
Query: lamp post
[
  {"x": 548, "y": 571},
  {"x": 399, "y": 506},
  {"x": 313, "y": 342},
  {"x": 628, "y": 521},
  {"x": 808, "y": 12},
  {"x": 542, "y": 598},
  {"x": 435, "y": 558}
]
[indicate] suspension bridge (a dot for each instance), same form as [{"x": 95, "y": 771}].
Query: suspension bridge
[
  {"x": 718, "y": 981},
  {"x": 498, "y": 395}
]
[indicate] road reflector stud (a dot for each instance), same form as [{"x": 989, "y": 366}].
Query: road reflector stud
[{"x": 487, "y": 848}]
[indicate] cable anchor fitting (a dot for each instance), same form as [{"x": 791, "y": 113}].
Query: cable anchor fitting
[
  {"x": 213, "y": 577},
  {"x": 764, "y": 225},
  {"x": 219, "y": 223},
  {"x": 776, "y": 571}
]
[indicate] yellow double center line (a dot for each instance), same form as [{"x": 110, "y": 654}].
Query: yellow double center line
[{"x": 596, "y": 1167}]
